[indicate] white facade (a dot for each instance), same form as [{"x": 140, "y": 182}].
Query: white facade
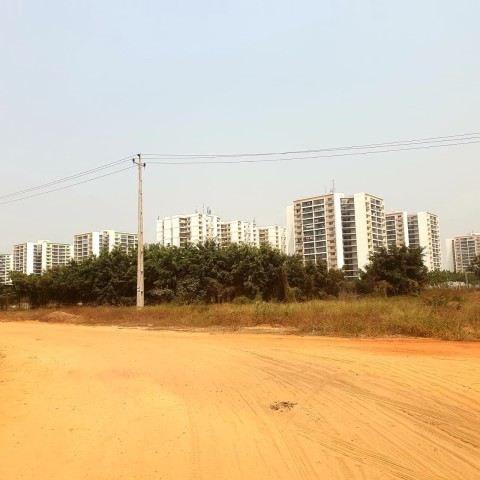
[
  {"x": 290, "y": 230},
  {"x": 341, "y": 231},
  {"x": 274, "y": 236},
  {"x": 198, "y": 228},
  {"x": 424, "y": 231},
  {"x": 314, "y": 227},
  {"x": 36, "y": 258},
  {"x": 419, "y": 229},
  {"x": 182, "y": 230},
  {"x": 125, "y": 241},
  {"x": 461, "y": 251},
  {"x": 365, "y": 233},
  {"x": 6, "y": 260},
  {"x": 241, "y": 232},
  {"x": 54, "y": 254},
  {"x": 27, "y": 258},
  {"x": 92, "y": 243},
  {"x": 397, "y": 229}
]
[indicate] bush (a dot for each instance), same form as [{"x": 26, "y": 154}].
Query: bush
[{"x": 241, "y": 300}]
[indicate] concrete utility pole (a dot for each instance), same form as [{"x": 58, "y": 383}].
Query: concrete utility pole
[{"x": 140, "y": 277}]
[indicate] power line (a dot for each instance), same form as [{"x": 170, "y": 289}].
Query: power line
[
  {"x": 445, "y": 138},
  {"x": 66, "y": 179},
  {"x": 68, "y": 186},
  {"x": 162, "y": 159},
  {"x": 290, "y": 159}
]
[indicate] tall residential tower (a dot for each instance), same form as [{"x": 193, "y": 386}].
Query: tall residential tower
[
  {"x": 92, "y": 243},
  {"x": 461, "y": 251},
  {"x": 314, "y": 229},
  {"x": 397, "y": 229},
  {"x": 36, "y": 258},
  {"x": 342, "y": 231},
  {"x": 199, "y": 228},
  {"x": 424, "y": 231},
  {"x": 5, "y": 268}
]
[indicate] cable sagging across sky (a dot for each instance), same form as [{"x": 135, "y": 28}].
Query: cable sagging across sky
[
  {"x": 430, "y": 140},
  {"x": 161, "y": 161},
  {"x": 66, "y": 179},
  {"x": 68, "y": 186}
]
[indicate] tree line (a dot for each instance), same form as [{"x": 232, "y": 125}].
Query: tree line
[{"x": 209, "y": 274}]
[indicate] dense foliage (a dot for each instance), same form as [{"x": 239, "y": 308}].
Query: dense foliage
[
  {"x": 444, "y": 278},
  {"x": 398, "y": 271},
  {"x": 475, "y": 267},
  {"x": 206, "y": 274}
]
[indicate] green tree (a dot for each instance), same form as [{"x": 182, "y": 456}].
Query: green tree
[
  {"x": 475, "y": 266},
  {"x": 28, "y": 288},
  {"x": 6, "y": 296},
  {"x": 438, "y": 278},
  {"x": 197, "y": 273},
  {"x": 398, "y": 271}
]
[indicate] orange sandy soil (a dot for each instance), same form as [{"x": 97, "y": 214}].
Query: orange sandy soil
[{"x": 82, "y": 402}]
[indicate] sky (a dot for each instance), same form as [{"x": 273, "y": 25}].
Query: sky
[{"x": 86, "y": 83}]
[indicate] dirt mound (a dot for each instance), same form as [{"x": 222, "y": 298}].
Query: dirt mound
[{"x": 62, "y": 317}]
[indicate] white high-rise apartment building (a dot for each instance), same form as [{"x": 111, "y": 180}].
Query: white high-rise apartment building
[
  {"x": 461, "y": 251},
  {"x": 182, "y": 230},
  {"x": 314, "y": 229},
  {"x": 342, "y": 231},
  {"x": 364, "y": 230},
  {"x": 5, "y": 268},
  {"x": 424, "y": 231},
  {"x": 198, "y": 228},
  {"x": 397, "y": 229},
  {"x": 274, "y": 236},
  {"x": 240, "y": 231},
  {"x": 54, "y": 254},
  {"x": 92, "y": 243},
  {"x": 35, "y": 258},
  {"x": 421, "y": 229},
  {"x": 27, "y": 258}
]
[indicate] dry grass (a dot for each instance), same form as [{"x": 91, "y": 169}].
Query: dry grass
[{"x": 444, "y": 314}]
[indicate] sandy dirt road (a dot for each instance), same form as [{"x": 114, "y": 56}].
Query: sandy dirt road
[{"x": 105, "y": 403}]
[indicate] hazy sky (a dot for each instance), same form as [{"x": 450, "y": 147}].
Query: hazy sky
[{"x": 86, "y": 83}]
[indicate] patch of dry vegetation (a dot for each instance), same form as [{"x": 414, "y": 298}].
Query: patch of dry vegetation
[{"x": 443, "y": 314}]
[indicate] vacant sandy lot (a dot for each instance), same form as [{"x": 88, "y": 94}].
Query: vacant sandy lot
[{"x": 105, "y": 403}]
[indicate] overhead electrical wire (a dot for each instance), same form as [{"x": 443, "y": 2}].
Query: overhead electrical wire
[
  {"x": 445, "y": 138},
  {"x": 68, "y": 186},
  {"x": 208, "y": 159},
  {"x": 161, "y": 161},
  {"x": 71, "y": 177}
]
